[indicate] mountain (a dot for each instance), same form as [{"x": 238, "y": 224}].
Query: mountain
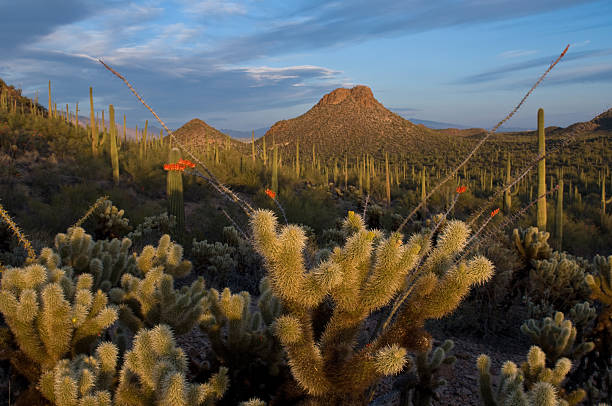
[
  {"x": 604, "y": 120},
  {"x": 244, "y": 135},
  {"x": 351, "y": 121},
  {"x": 197, "y": 133}
]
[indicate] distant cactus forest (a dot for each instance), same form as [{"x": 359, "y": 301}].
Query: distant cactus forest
[{"x": 194, "y": 269}]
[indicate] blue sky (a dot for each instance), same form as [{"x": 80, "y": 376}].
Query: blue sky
[{"x": 245, "y": 64}]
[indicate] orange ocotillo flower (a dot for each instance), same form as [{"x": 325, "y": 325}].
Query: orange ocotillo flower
[
  {"x": 174, "y": 167},
  {"x": 271, "y": 193},
  {"x": 461, "y": 189},
  {"x": 187, "y": 163},
  {"x": 494, "y": 212}
]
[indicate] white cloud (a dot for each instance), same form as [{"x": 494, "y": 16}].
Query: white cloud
[
  {"x": 517, "y": 53},
  {"x": 213, "y": 7}
]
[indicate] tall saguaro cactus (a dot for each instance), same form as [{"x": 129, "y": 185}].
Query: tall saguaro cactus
[
  {"x": 424, "y": 190},
  {"x": 604, "y": 200},
  {"x": 92, "y": 123},
  {"x": 559, "y": 212},
  {"x": 297, "y": 159},
  {"x": 114, "y": 154},
  {"x": 508, "y": 193},
  {"x": 387, "y": 183},
  {"x": 50, "y": 105},
  {"x": 174, "y": 191},
  {"x": 275, "y": 169},
  {"x": 541, "y": 222},
  {"x": 253, "y": 145}
]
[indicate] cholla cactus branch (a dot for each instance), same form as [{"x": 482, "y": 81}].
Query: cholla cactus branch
[
  {"x": 18, "y": 233},
  {"x": 90, "y": 211}
]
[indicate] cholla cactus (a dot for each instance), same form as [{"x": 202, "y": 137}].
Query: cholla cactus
[
  {"x": 361, "y": 277},
  {"x": 167, "y": 255},
  {"x": 233, "y": 262},
  {"x": 50, "y": 315},
  {"x": 153, "y": 373},
  {"x": 419, "y": 387},
  {"x": 110, "y": 222},
  {"x": 240, "y": 336},
  {"x": 153, "y": 300},
  {"x": 148, "y": 301},
  {"x": 152, "y": 228},
  {"x": 84, "y": 380},
  {"x": 107, "y": 261},
  {"x": 531, "y": 385},
  {"x": 560, "y": 280},
  {"x": 532, "y": 243},
  {"x": 556, "y": 337}
]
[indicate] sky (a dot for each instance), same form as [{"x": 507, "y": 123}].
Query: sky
[{"x": 245, "y": 64}]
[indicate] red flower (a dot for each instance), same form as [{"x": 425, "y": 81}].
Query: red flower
[
  {"x": 166, "y": 167},
  {"x": 494, "y": 212},
  {"x": 461, "y": 189},
  {"x": 186, "y": 162},
  {"x": 271, "y": 193}
]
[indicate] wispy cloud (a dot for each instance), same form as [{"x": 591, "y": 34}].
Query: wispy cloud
[
  {"x": 213, "y": 7},
  {"x": 517, "y": 53},
  {"x": 503, "y": 71}
]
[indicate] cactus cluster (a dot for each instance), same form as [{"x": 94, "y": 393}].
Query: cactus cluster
[
  {"x": 532, "y": 243},
  {"x": 240, "y": 335},
  {"x": 152, "y": 299},
  {"x": 532, "y": 385},
  {"x": 154, "y": 373},
  {"x": 231, "y": 262},
  {"x": 107, "y": 261},
  {"x": 151, "y": 229},
  {"x": 559, "y": 280},
  {"x": 109, "y": 221},
  {"x": 51, "y": 315},
  {"x": 556, "y": 337}
]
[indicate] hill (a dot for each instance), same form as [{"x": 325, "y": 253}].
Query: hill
[
  {"x": 198, "y": 134},
  {"x": 350, "y": 121}
]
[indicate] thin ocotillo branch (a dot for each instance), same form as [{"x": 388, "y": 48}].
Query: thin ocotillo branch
[
  {"x": 480, "y": 143},
  {"x": 211, "y": 177},
  {"x": 507, "y": 221},
  {"x": 569, "y": 138}
]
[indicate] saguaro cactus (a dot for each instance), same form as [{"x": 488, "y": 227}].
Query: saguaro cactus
[
  {"x": 253, "y": 145},
  {"x": 174, "y": 191},
  {"x": 559, "y": 212},
  {"x": 541, "y": 222},
  {"x": 275, "y": 169},
  {"x": 297, "y": 159},
  {"x": 508, "y": 193},
  {"x": 92, "y": 123},
  {"x": 387, "y": 183},
  {"x": 114, "y": 154},
  {"x": 604, "y": 200},
  {"x": 50, "y": 106},
  {"x": 424, "y": 190}
]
